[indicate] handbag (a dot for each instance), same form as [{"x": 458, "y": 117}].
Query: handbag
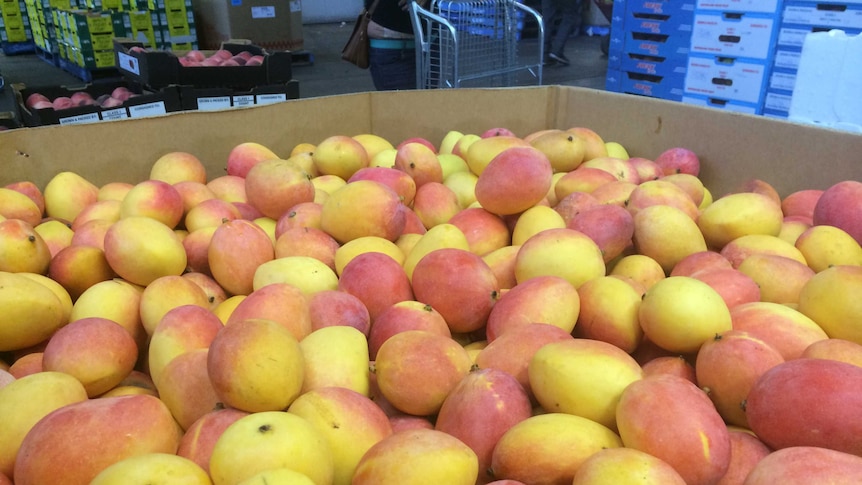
[{"x": 356, "y": 49}]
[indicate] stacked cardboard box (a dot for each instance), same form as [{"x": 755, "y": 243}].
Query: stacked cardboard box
[
  {"x": 649, "y": 46},
  {"x": 15, "y": 30},
  {"x": 273, "y": 25},
  {"x": 801, "y": 17},
  {"x": 43, "y": 20},
  {"x": 173, "y": 22},
  {"x": 732, "y": 50}
]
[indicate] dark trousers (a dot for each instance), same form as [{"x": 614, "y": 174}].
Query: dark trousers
[
  {"x": 393, "y": 69},
  {"x": 560, "y": 19}
]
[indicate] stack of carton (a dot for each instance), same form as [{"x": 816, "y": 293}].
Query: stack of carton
[
  {"x": 800, "y": 18},
  {"x": 43, "y": 21},
  {"x": 173, "y": 22},
  {"x": 732, "y": 50},
  {"x": 649, "y": 46},
  {"x": 85, "y": 38},
  {"x": 16, "y": 35}
]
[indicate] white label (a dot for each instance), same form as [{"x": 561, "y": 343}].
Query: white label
[
  {"x": 243, "y": 100},
  {"x": 263, "y": 12},
  {"x": 295, "y": 6},
  {"x": 114, "y": 114},
  {"x": 782, "y": 80},
  {"x": 148, "y": 109},
  {"x": 778, "y": 102},
  {"x": 787, "y": 59},
  {"x": 271, "y": 98},
  {"x": 214, "y": 103},
  {"x": 128, "y": 63},
  {"x": 80, "y": 119}
]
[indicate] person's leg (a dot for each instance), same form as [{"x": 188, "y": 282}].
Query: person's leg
[
  {"x": 550, "y": 16},
  {"x": 393, "y": 69},
  {"x": 569, "y": 13}
]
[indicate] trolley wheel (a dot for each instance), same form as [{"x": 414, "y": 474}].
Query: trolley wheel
[{"x": 606, "y": 44}]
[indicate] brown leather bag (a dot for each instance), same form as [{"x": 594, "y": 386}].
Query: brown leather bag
[{"x": 356, "y": 49}]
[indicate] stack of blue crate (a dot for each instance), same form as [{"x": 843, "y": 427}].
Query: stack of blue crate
[
  {"x": 649, "y": 46},
  {"x": 732, "y": 51},
  {"x": 801, "y": 17}
]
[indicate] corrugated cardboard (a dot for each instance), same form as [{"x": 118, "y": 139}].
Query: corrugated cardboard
[
  {"x": 733, "y": 147},
  {"x": 271, "y": 24}
]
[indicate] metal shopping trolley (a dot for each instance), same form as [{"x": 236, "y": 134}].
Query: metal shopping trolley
[{"x": 474, "y": 43}]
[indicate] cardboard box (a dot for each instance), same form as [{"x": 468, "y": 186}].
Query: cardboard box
[
  {"x": 160, "y": 68},
  {"x": 836, "y": 15},
  {"x": 733, "y": 147},
  {"x": 761, "y": 6},
  {"x": 726, "y": 78},
  {"x": 274, "y": 25},
  {"x": 734, "y": 34},
  {"x": 213, "y": 99},
  {"x": 722, "y": 104}
]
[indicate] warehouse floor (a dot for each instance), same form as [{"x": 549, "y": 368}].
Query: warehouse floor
[{"x": 320, "y": 70}]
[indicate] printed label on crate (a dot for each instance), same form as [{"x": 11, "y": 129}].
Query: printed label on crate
[
  {"x": 214, "y": 103},
  {"x": 782, "y": 80},
  {"x": 763, "y": 6},
  {"x": 79, "y": 119},
  {"x": 295, "y": 6},
  {"x": 271, "y": 98},
  {"x": 826, "y": 15},
  {"x": 725, "y": 78},
  {"x": 243, "y": 100},
  {"x": 265, "y": 12},
  {"x": 732, "y": 35},
  {"x": 148, "y": 109},
  {"x": 777, "y": 102},
  {"x": 787, "y": 59},
  {"x": 114, "y": 114}
]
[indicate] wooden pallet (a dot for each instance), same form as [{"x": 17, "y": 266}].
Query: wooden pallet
[
  {"x": 49, "y": 57},
  {"x": 89, "y": 75},
  {"x": 15, "y": 48}
]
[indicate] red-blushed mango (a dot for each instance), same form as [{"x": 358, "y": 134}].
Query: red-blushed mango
[
  {"x": 728, "y": 365},
  {"x": 435, "y": 203},
  {"x": 808, "y": 402},
  {"x": 274, "y": 186},
  {"x": 620, "y": 168},
  {"x": 515, "y": 180},
  {"x": 25, "y": 401},
  {"x": 827, "y": 246},
  {"x": 737, "y": 250},
  {"x": 16, "y": 205},
  {"x": 835, "y": 349},
  {"x": 281, "y": 303},
  {"x": 268, "y": 440},
  {"x": 700, "y": 261},
  {"x": 485, "y": 232},
  {"x": 307, "y": 241},
  {"x": 779, "y": 278},
  {"x": 141, "y": 249},
  {"x": 837, "y": 206},
  {"x": 644, "y": 270},
  {"x": 401, "y": 316},
  {"x": 96, "y": 351},
  {"x": 549, "y": 448},
  {"x": 680, "y": 313},
  {"x": 582, "y": 377},
  {"x": 166, "y": 293},
  {"x": 804, "y": 465},
  {"x": 234, "y": 274},
  {"x": 74, "y": 443},
  {"x": 417, "y": 369},
  {"x": 79, "y": 267},
  {"x": 57, "y": 235},
  {"x": 459, "y": 285},
  {"x": 512, "y": 351},
  {"x": 339, "y": 155},
  {"x": 581, "y": 180},
  {"x": 480, "y": 409},
  {"x": 419, "y": 162},
  {"x": 154, "y": 199},
  {"x": 335, "y": 357},
  {"x": 332, "y": 308},
  {"x": 24, "y": 249},
  {"x": 564, "y": 150},
  {"x": 174, "y": 167},
  {"x": 678, "y": 160},
  {"x": 734, "y": 286},
  {"x": 692, "y": 185},
  {"x": 666, "y": 234},
  {"x": 782, "y": 327},
  {"x": 671, "y": 418},
  {"x": 31, "y": 312},
  {"x": 661, "y": 192},
  {"x": 609, "y": 312},
  {"x": 350, "y": 422},
  {"x": 416, "y": 456},
  {"x": 540, "y": 299},
  {"x": 670, "y": 364},
  {"x": 551, "y": 252},
  {"x": 377, "y": 280},
  {"x": 746, "y": 450},
  {"x": 66, "y": 194},
  {"x": 478, "y": 157},
  {"x": 739, "y": 214},
  {"x": 185, "y": 387},
  {"x": 181, "y": 329},
  {"x": 594, "y": 145},
  {"x": 245, "y": 155},
  {"x": 801, "y": 203},
  {"x": 198, "y": 441},
  {"x": 534, "y": 220},
  {"x": 255, "y": 365},
  {"x": 611, "y": 227},
  {"x": 831, "y": 298},
  {"x": 625, "y": 466},
  {"x": 362, "y": 208},
  {"x": 502, "y": 263}
]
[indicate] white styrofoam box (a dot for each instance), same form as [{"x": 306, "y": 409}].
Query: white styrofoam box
[
  {"x": 723, "y": 104},
  {"x": 839, "y": 16},
  {"x": 726, "y": 78},
  {"x": 732, "y": 34},
  {"x": 786, "y": 58},
  {"x": 762, "y": 6},
  {"x": 828, "y": 81}
]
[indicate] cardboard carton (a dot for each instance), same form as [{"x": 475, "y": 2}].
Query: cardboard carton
[
  {"x": 733, "y": 147},
  {"x": 273, "y": 25}
]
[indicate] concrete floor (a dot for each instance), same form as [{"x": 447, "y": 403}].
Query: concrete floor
[{"x": 321, "y": 72}]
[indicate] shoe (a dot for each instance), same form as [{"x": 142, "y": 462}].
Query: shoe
[
  {"x": 548, "y": 61},
  {"x": 560, "y": 58}
]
